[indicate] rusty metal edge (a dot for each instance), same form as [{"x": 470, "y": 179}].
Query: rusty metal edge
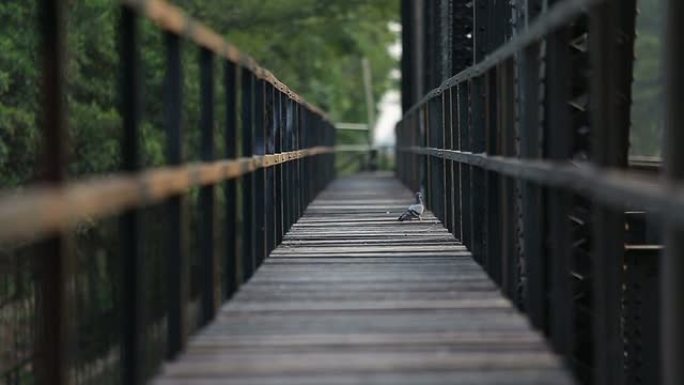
[{"x": 35, "y": 212}]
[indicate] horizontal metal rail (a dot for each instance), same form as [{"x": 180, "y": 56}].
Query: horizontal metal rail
[
  {"x": 35, "y": 212},
  {"x": 613, "y": 187},
  {"x": 172, "y": 19}
]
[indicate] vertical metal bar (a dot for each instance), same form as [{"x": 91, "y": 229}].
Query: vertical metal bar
[
  {"x": 440, "y": 162},
  {"x": 435, "y": 128},
  {"x": 424, "y": 140},
  {"x": 611, "y": 46},
  {"x": 559, "y": 144},
  {"x": 510, "y": 260},
  {"x": 53, "y": 272},
  {"x": 260, "y": 174},
  {"x": 429, "y": 160},
  {"x": 434, "y": 123},
  {"x": 408, "y": 55},
  {"x": 301, "y": 118},
  {"x": 448, "y": 164},
  {"x": 466, "y": 170},
  {"x": 206, "y": 197},
  {"x": 456, "y": 211},
  {"x": 492, "y": 218},
  {"x": 308, "y": 181},
  {"x": 672, "y": 263},
  {"x": 287, "y": 167},
  {"x": 477, "y": 176},
  {"x": 230, "y": 186},
  {"x": 480, "y": 30},
  {"x": 477, "y": 128},
  {"x": 295, "y": 187},
  {"x": 279, "y": 135},
  {"x": 531, "y": 137},
  {"x": 177, "y": 284},
  {"x": 132, "y": 304},
  {"x": 271, "y": 127},
  {"x": 287, "y": 181},
  {"x": 248, "y": 253}
]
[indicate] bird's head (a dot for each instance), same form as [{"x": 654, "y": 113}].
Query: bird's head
[{"x": 419, "y": 197}]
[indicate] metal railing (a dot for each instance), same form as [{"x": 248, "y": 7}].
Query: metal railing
[
  {"x": 523, "y": 156},
  {"x": 282, "y": 157}
]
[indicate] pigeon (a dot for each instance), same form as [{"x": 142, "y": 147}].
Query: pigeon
[{"x": 415, "y": 210}]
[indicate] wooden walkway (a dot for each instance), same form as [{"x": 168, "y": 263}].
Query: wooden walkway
[{"x": 353, "y": 296}]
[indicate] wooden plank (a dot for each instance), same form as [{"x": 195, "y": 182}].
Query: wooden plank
[{"x": 359, "y": 298}]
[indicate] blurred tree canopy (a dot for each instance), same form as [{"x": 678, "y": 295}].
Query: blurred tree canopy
[
  {"x": 313, "y": 46},
  {"x": 647, "y": 113}
]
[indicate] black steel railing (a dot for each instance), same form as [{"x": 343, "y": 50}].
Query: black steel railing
[
  {"x": 524, "y": 157},
  {"x": 279, "y": 153}
]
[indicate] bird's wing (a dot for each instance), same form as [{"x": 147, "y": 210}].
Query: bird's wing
[
  {"x": 408, "y": 214},
  {"x": 416, "y": 208}
]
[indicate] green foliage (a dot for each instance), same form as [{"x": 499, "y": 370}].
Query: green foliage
[
  {"x": 647, "y": 123},
  {"x": 315, "y": 47},
  {"x": 18, "y": 93}
]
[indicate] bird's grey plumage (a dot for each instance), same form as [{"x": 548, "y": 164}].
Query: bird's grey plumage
[{"x": 415, "y": 210}]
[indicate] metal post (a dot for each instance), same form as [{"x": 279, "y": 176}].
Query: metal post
[
  {"x": 177, "y": 284},
  {"x": 248, "y": 253},
  {"x": 477, "y": 176},
  {"x": 279, "y": 135},
  {"x": 259, "y": 149},
  {"x": 558, "y": 134},
  {"x": 492, "y": 207},
  {"x": 672, "y": 265},
  {"x": 427, "y": 159},
  {"x": 448, "y": 164},
  {"x": 466, "y": 170},
  {"x": 455, "y": 167},
  {"x": 52, "y": 345},
  {"x": 271, "y": 127},
  {"x": 289, "y": 166},
  {"x": 132, "y": 286},
  {"x": 296, "y": 164},
  {"x": 611, "y": 46},
  {"x": 230, "y": 186},
  {"x": 206, "y": 198},
  {"x": 509, "y": 254},
  {"x": 477, "y": 130},
  {"x": 531, "y": 137}
]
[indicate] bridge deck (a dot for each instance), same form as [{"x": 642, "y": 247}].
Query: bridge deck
[{"x": 353, "y": 296}]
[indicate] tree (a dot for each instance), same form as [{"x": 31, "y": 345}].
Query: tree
[{"x": 647, "y": 124}]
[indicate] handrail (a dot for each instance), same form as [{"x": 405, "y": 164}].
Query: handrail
[
  {"x": 280, "y": 147},
  {"x": 613, "y": 187},
  {"x": 536, "y": 184},
  {"x": 35, "y": 212}
]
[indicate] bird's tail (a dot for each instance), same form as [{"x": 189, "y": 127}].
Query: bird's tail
[{"x": 403, "y": 217}]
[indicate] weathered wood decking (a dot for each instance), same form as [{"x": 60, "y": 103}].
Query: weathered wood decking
[{"x": 353, "y": 296}]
